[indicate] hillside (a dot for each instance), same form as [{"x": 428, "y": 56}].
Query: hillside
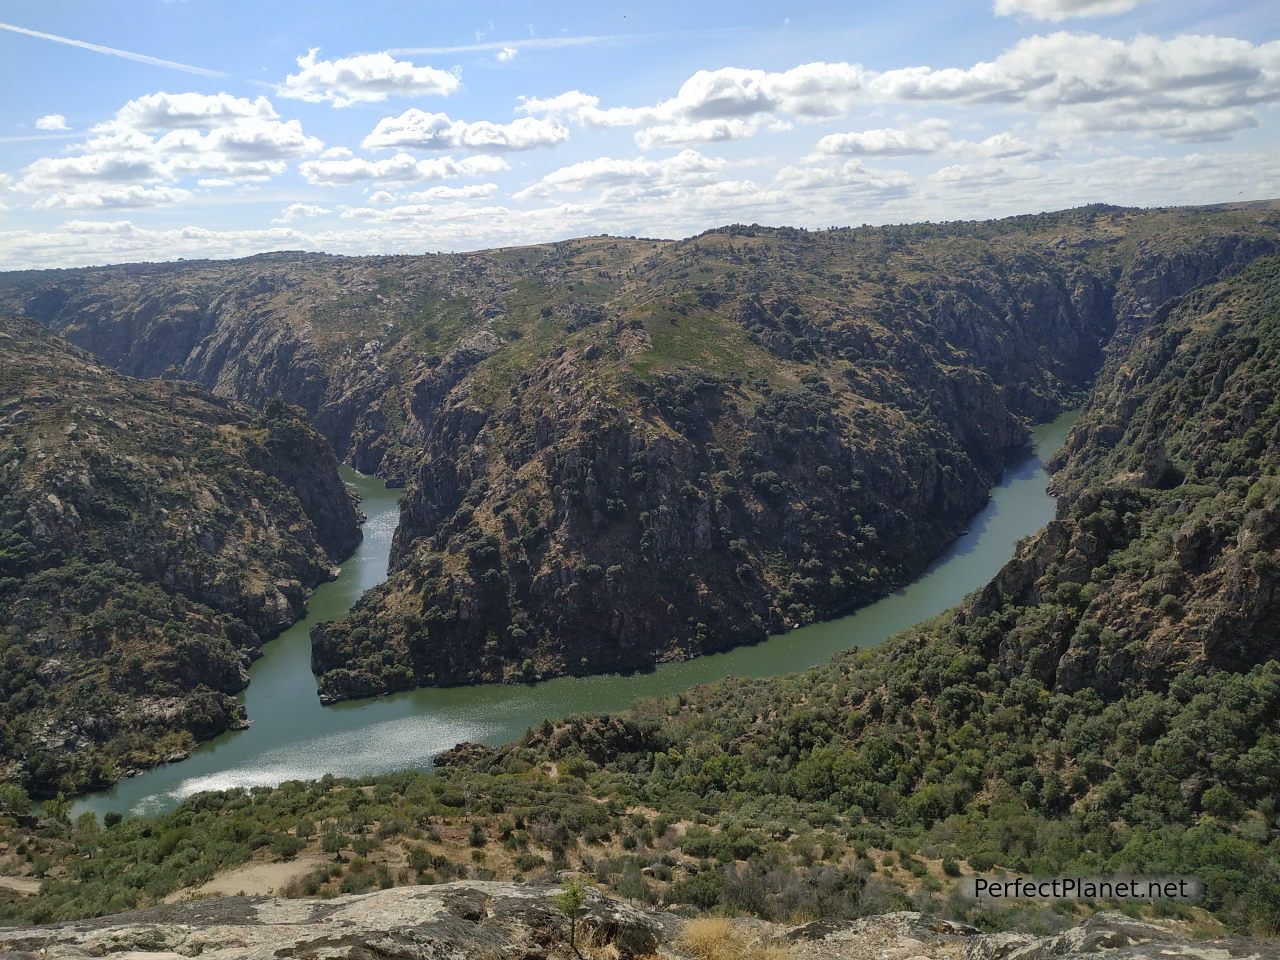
[
  {"x": 1086, "y": 714},
  {"x": 617, "y": 451},
  {"x": 1109, "y": 704},
  {"x": 151, "y": 536}
]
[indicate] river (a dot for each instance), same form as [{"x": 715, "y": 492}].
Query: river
[{"x": 292, "y": 737}]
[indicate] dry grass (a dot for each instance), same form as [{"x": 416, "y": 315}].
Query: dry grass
[{"x": 716, "y": 938}]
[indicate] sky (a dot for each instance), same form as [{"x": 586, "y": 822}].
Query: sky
[{"x": 157, "y": 129}]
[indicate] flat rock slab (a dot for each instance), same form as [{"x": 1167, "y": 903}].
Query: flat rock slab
[{"x": 486, "y": 921}]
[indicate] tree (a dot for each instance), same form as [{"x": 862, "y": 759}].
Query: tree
[
  {"x": 59, "y": 809},
  {"x": 569, "y": 902},
  {"x": 14, "y": 800}
]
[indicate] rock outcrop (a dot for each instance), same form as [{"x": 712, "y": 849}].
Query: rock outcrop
[{"x": 480, "y": 920}]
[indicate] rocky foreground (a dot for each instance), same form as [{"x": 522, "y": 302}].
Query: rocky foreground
[{"x": 492, "y": 920}]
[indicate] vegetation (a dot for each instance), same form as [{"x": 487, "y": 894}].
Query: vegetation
[
  {"x": 752, "y": 428},
  {"x": 150, "y": 536},
  {"x": 1109, "y": 704}
]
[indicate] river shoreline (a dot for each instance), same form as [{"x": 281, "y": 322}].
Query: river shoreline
[{"x": 293, "y": 737}]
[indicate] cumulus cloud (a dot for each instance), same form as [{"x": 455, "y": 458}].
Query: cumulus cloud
[
  {"x": 927, "y": 137},
  {"x": 696, "y": 131},
  {"x": 470, "y": 191},
  {"x": 301, "y": 211},
  {"x": 1185, "y": 88},
  {"x": 1058, "y": 10},
  {"x": 719, "y": 104},
  {"x": 401, "y": 168},
  {"x": 52, "y": 121},
  {"x": 507, "y": 54},
  {"x": 110, "y": 197},
  {"x": 367, "y": 78},
  {"x": 638, "y": 174},
  {"x": 138, "y": 157},
  {"x": 188, "y": 111},
  {"x": 1200, "y": 87},
  {"x": 849, "y": 178},
  {"x": 417, "y": 129}
]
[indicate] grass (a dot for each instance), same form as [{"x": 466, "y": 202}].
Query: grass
[{"x": 717, "y": 938}]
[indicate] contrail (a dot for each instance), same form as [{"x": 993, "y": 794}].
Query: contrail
[
  {"x": 112, "y": 51},
  {"x": 529, "y": 43}
]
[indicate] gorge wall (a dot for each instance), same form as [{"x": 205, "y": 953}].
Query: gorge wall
[{"x": 623, "y": 451}]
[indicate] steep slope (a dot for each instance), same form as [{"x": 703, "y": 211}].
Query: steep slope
[
  {"x": 880, "y": 781},
  {"x": 623, "y": 451},
  {"x": 1109, "y": 704},
  {"x": 763, "y": 428},
  {"x": 150, "y": 536}
]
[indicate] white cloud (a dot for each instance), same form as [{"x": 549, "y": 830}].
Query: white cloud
[
  {"x": 696, "y": 131},
  {"x": 1200, "y": 87},
  {"x": 112, "y": 197},
  {"x": 401, "y": 168},
  {"x": 52, "y": 121},
  {"x": 637, "y": 175},
  {"x": 848, "y": 178},
  {"x": 1058, "y": 10},
  {"x": 507, "y": 54},
  {"x": 155, "y": 141},
  {"x": 416, "y": 129},
  {"x": 367, "y": 78},
  {"x": 1184, "y": 88},
  {"x": 985, "y": 174},
  {"x": 188, "y": 111},
  {"x": 1007, "y": 145},
  {"x": 716, "y": 104},
  {"x": 301, "y": 211},
  {"x": 927, "y": 137},
  {"x": 471, "y": 191}
]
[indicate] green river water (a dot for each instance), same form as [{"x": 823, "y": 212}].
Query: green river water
[{"x": 292, "y": 737}]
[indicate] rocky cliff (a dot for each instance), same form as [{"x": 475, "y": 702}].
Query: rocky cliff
[
  {"x": 491, "y": 920},
  {"x": 1165, "y": 551},
  {"x": 759, "y": 429},
  {"x": 624, "y": 451},
  {"x": 151, "y": 535},
  {"x": 1109, "y": 703}
]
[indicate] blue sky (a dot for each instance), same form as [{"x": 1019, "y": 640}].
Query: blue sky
[{"x": 151, "y": 130}]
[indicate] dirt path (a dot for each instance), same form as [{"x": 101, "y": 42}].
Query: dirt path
[
  {"x": 24, "y": 886},
  {"x": 254, "y": 879}
]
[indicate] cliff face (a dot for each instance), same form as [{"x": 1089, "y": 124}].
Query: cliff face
[
  {"x": 152, "y": 536},
  {"x": 1109, "y": 704},
  {"x": 622, "y": 451},
  {"x": 762, "y": 429},
  {"x": 1165, "y": 551}
]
